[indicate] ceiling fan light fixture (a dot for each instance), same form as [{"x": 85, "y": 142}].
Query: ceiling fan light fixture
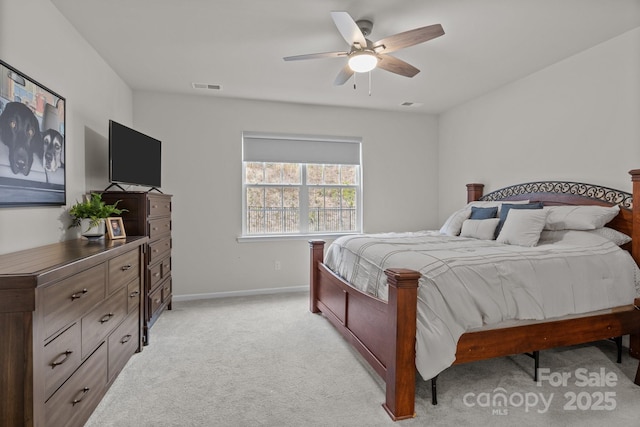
[{"x": 363, "y": 61}]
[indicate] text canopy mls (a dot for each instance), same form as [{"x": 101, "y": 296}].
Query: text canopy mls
[{"x": 260, "y": 148}]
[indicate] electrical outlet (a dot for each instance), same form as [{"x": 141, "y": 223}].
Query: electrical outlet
[{"x": 276, "y": 265}]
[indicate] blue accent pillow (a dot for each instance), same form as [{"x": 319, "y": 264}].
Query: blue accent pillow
[
  {"x": 506, "y": 207},
  {"x": 483, "y": 213}
]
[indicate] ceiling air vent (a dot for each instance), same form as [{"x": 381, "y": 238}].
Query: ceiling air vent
[
  {"x": 206, "y": 86},
  {"x": 411, "y": 104}
]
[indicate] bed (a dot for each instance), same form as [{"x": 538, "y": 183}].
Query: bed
[{"x": 384, "y": 330}]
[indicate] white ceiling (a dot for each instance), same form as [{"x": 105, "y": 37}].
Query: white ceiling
[{"x": 166, "y": 45}]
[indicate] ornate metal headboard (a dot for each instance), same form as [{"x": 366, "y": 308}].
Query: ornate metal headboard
[
  {"x": 562, "y": 192},
  {"x": 566, "y": 193}
]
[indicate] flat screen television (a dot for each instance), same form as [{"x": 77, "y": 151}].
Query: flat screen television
[{"x": 134, "y": 158}]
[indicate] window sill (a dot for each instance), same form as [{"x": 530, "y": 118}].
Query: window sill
[{"x": 306, "y": 237}]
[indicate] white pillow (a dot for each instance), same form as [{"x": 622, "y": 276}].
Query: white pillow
[
  {"x": 614, "y": 236},
  {"x": 579, "y": 217},
  {"x": 483, "y": 229},
  {"x": 453, "y": 225},
  {"x": 523, "y": 227}
]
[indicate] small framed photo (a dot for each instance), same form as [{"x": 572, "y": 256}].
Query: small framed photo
[{"x": 115, "y": 228}]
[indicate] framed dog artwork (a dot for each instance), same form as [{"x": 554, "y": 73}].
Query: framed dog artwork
[{"x": 32, "y": 142}]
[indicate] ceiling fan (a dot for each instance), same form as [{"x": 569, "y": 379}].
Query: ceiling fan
[{"x": 365, "y": 55}]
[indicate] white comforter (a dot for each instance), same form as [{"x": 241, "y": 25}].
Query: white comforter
[{"x": 467, "y": 283}]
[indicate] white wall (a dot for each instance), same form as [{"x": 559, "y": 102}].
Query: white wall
[
  {"x": 576, "y": 120},
  {"x": 38, "y": 41},
  {"x": 202, "y": 168}
]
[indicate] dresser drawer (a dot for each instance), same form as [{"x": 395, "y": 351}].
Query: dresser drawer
[
  {"x": 123, "y": 269},
  {"x": 61, "y": 358},
  {"x": 70, "y": 298},
  {"x": 97, "y": 324},
  {"x": 155, "y": 275},
  {"x": 166, "y": 267},
  {"x": 166, "y": 291},
  {"x": 158, "y": 249},
  {"x": 159, "y": 206},
  {"x": 133, "y": 295},
  {"x": 123, "y": 342},
  {"x": 77, "y": 398},
  {"x": 159, "y": 227},
  {"x": 159, "y": 272},
  {"x": 155, "y": 301}
]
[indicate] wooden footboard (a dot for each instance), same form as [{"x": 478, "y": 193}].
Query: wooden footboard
[{"x": 383, "y": 332}]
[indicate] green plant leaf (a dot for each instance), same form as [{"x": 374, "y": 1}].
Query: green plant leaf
[{"x": 93, "y": 208}]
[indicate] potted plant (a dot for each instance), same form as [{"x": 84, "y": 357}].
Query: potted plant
[{"x": 90, "y": 215}]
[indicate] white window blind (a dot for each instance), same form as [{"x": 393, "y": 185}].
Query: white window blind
[
  {"x": 300, "y": 184},
  {"x": 300, "y": 149}
]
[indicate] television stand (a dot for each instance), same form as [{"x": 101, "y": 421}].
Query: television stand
[
  {"x": 118, "y": 186},
  {"x": 114, "y": 185}
]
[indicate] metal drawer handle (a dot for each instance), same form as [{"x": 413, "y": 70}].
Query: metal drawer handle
[
  {"x": 106, "y": 318},
  {"x": 156, "y": 275},
  {"x": 125, "y": 339},
  {"x": 134, "y": 294},
  {"x": 126, "y": 267},
  {"x": 84, "y": 392},
  {"x": 155, "y": 228},
  {"x": 154, "y": 206},
  {"x": 64, "y": 355},
  {"x": 157, "y": 300},
  {"x": 79, "y": 294}
]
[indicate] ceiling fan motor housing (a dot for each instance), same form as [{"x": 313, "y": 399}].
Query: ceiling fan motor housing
[{"x": 365, "y": 26}]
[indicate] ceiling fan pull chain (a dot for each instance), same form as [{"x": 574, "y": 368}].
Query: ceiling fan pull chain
[
  {"x": 354, "y": 80},
  {"x": 369, "y": 83}
]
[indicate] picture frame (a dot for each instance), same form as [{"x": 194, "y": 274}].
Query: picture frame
[
  {"x": 115, "y": 228},
  {"x": 32, "y": 142}
]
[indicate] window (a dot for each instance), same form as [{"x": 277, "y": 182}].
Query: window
[{"x": 300, "y": 185}]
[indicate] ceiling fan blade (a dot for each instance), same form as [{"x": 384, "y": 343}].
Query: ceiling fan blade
[
  {"x": 344, "y": 75},
  {"x": 348, "y": 28},
  {"x": 408, "y": 38},
  {"x": 315, "y": 56},
  {"x": 397, "y": 66}
]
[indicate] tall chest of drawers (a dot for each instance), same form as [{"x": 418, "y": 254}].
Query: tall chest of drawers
[
  {"x": 70, "y": 319},
  {"x": 149, "y": 214}
]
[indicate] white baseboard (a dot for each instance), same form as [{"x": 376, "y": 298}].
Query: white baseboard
[{"x": 190, "y": 297}]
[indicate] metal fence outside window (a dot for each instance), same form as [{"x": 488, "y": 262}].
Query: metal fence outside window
[{"x": 287, "y": 220}]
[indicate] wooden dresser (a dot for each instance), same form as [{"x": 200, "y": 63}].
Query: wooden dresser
[
  {"x": 149, "y": 214},
  {"x": 70, "y": 319}
]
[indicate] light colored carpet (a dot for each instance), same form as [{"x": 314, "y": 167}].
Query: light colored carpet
[{"x": 267, "y": 361}]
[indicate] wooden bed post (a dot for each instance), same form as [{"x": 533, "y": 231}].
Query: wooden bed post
[
  {"x": 635, "y": 232},
  {"x": 634, "y": 341},
  {"x": 401, "y": 368},
  {"x": 474, "y": 192},
  {"x": 317, "y": 257}
]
